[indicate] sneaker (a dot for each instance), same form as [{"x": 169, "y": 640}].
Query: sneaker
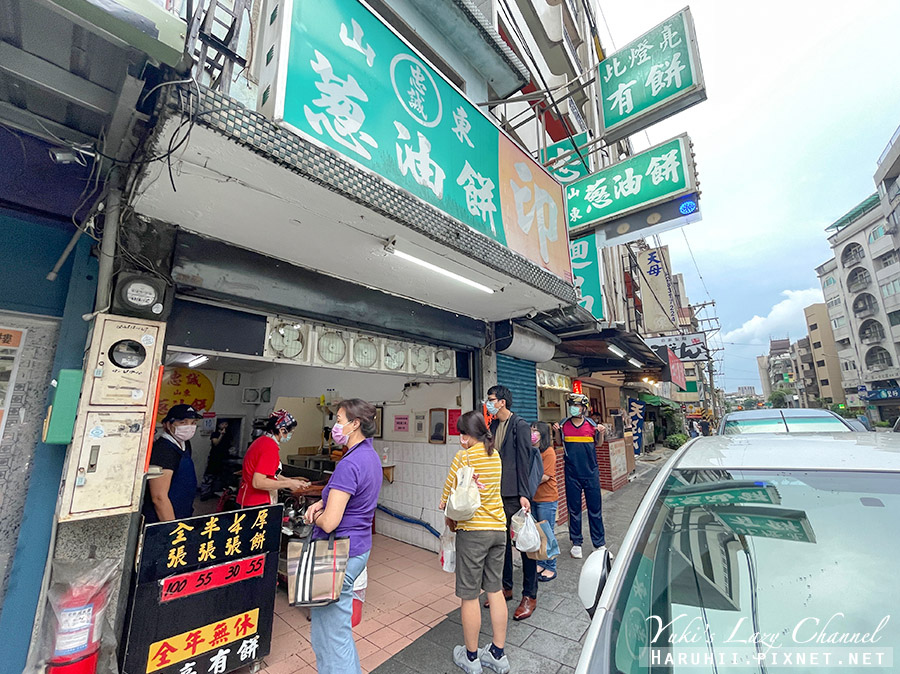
[
  {"x": 461, "y": 660},
  {"x": 576, "y": 552},
  {"x": 487, "y": 659}
]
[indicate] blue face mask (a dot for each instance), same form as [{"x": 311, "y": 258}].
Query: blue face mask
[
  {"x": 286, "y": 437},
  {"x": 574, "y": 410},
  {"x": 491, "y": 407}
]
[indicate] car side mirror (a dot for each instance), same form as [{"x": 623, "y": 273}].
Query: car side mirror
[{"x": 594, "y": 575}]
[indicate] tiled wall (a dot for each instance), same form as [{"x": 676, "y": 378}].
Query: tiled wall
[{"x": 420, "y": 470}]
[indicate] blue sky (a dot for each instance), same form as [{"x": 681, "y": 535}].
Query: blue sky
[{"x": 801, "y": 102}]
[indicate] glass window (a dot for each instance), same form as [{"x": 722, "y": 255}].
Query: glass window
[
  {"x": 820, "y": 363},
  {"x": 888, "y": 259},
  {"x": 813, "y": 326},
  {"x": 838, "y": 322},
  {"x": 834, "y": 302},
  {"x": 894, "y": 317},
  {"x": 829, "y": 281},
  {"x": 876, "y": 234},
  {"x": 766, "y": 567},
  {"x": 823, "y": 382}
]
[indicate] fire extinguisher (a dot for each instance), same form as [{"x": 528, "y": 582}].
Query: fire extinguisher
[{"x": 78, "y": 625}]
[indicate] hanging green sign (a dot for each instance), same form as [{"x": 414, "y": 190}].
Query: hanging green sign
[
  {"x": 651, "y": 78},
  {"x": 341, "y": 77},
  {"x": 573, "y": 166},
  {"x": 587, "y": 268},
  {"x": 662, "y": 173}
]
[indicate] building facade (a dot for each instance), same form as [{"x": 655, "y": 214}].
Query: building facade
[
  {"x": 827, "y": 363},
  {"x": 862, "y": 297}
]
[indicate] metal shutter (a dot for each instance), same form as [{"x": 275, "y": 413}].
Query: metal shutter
[{"x": 520, "y": 377}]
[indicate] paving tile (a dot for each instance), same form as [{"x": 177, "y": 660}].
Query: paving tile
[
  {"x": 384, "y": 637},
  {"x": 562, "y": 650},
  {"x": 366, "y": 627},
  {"x": 551, "y": 600},
  {"x": 280, "y": 627},
  {"x": 283, "y": 647},
  {"x": 406, "y": 626},
  {"x": 297, "y": 618},
  {"x": 373, "y": 664},
  {"x": 426, "y": 615},
  {"x": 516, "y": 632},
  {"x": 281, "y": 603},
  {"x": 561, "y": 625},
  {"x": 566, "y": 670},
  {"x": 425, "y": 655},
  {"x": 392, "y": 667},
  {"x": 526, "y": 662},
  {"x": 365, "y": 648},
  {"x": 288, "y": 665}
]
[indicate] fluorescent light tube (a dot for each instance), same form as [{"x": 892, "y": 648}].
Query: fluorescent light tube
[
  {"x": 440, "y": 270},
  {"x": 199, "y": 360},
  {"x": 636, "y": 363},
  {"x": 615, "y": 350}
]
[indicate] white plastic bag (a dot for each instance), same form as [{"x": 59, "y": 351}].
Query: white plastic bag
[
  {"x": 464, "y": 498},
  {"x": 448, "y": 550},
  {"x": 525, "y": 532}
]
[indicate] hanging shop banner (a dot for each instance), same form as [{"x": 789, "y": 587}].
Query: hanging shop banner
[
  {"x": 651, "y": 78},
  {"x": 691, "y": 348},
  {"x": 657, "y": 290},
  {"x": 184, "y": 386},
  {"x": 572, "y": 167},
  {"x": 636, "y": 409},
  {"x": 11, "y": 342},
  {"x": 677, "y": 374},
  {"x": 663, "y": 173},
  {"x": 340, "y": 76},
  {"x": 204, "y": 595},
  {"x": 587, "y": 266}
]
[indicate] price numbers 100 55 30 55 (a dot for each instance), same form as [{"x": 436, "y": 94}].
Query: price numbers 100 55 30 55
[{"x": 184, "y": 585}]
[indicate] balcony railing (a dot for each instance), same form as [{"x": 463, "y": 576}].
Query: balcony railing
[
  {"x": 878, "y": 367},
  {"x": 859, "y": 285},
  {"x": 870, "y": 338},
  {"x": 866, "y": 311},
  {"x": 852, "y": 259}
]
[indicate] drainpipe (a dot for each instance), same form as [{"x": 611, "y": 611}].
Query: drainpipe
[{"x": 108, "y": 244}]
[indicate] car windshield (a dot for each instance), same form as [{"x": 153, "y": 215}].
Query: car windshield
[
  {"x": 743, "y": 570},
  {"x": 787, "y": 424}
]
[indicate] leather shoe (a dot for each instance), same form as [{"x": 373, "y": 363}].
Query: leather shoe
[
  {"x": 526, "y": 608},
  {"x": 507, "y": 595}
]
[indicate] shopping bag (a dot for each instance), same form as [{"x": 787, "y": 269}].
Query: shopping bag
[
  {"x": 549, "y": 546},
  {"x": 464, "y": 498},
  {"x": 316, "y": 570},
  {"x": 448, "y": 550},
  {"x": 359, "y": 596},
  {"x": 524, "y": 532}
]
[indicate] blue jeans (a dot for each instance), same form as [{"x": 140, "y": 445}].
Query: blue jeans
[
  {"x": 331, "y": 632},
  {"x": 546, "y": 511}
]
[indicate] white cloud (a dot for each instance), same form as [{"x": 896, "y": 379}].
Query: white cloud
[{"x": 785, "y": 319}]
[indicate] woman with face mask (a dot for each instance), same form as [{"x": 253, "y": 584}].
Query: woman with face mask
[
  {"x": 546, "y": 498},
  {"x": 347, "y": 509},
  {"x": 260, "y": 481},
  {"x": 171, "y": 495}
]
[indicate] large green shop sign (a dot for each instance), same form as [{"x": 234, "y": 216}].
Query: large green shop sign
[
  {"x": 660, "y": 174},
  {"x": 347, "y": 81},
  {"x": 651, "y": 78}
]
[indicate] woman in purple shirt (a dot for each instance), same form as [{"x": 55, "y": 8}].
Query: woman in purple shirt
[{"x": 347, "y": 508}]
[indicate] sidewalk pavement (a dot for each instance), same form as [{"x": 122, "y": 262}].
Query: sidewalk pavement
[{"x": 550, "y": 641}]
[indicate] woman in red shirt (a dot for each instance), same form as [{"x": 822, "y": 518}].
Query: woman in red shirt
[{"x": 259, "y": 477}]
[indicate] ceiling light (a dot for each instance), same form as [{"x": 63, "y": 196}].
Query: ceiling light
[
  {"x": 646, "y": 379},
  {"x": 636, "y": 363},
  {"x": 196, "y": 362},
  {"x": 614, "y": 350},
  {"x": 439, "y": 270}
]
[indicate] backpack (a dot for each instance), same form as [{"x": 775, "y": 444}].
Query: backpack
[{"x": 536, "y": 469}]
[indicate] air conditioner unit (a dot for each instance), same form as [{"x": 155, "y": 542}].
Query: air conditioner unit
[
  {"x": 288, "y": 339},
  {"x": 365, "y": 352}
]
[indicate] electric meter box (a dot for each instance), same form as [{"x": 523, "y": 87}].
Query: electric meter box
[{"x": 107, "y": 460}]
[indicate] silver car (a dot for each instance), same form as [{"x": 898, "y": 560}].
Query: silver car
[{"x": 755, "y": 552}]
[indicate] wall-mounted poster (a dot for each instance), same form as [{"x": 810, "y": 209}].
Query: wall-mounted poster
[
  {"x": 401, "y": 423},
  {"x": 10, "y": 347},
  {"x": 452, "y": 417}
]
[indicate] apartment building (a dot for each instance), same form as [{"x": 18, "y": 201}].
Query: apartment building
[{"x": 825, "y": 359}]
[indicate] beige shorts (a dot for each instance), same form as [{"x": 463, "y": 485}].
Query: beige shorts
[{"x": 479, "y": 562}]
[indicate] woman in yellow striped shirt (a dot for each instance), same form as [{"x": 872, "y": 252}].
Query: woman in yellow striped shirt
[{"x": 480, "y": 548}]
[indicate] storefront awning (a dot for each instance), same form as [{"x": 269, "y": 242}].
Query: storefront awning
[{"x": 659, "y": 402}]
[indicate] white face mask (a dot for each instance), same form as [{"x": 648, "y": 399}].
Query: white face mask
[
  {"x": 463, "y": 443},
  {"x": 184, "y": 433}
]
